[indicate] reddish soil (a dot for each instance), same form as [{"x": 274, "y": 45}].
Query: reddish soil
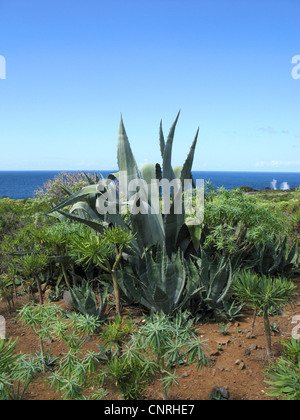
[{"x": 237, "y": 366}]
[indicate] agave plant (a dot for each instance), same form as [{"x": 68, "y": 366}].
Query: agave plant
[
  {"x": 160, "y": 283},
  {"x": 84, "y": 301},
  {"x": 151, "y": 226},
  {"x": 277, "y": 258},
  {"x": 216, "y": 278}
]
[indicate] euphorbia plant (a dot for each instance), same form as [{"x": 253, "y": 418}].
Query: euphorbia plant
[
  {"x": 57, "y": 239},
  {"x": 263, "y": 294},
  {"x": 39, "y": 318},
  {"x": 105, "y": 251},
  {"x": 163, "y": 343},
  {"x": 32, "y": 266}
]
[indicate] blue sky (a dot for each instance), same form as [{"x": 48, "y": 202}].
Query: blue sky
[{"x": 73, "y": 66}]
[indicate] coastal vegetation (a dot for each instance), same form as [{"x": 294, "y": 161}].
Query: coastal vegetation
[{"x": 57, "y": 248}]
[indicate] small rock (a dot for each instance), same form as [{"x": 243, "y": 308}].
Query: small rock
[
  {"x": 186, "y": 374},
  {"x": 237, "y": 362},
  {"x": 253, "y": 347},
  {"x": 224, "y": 341},
  {"x": 221, "y": 368},
  {"x": 67, "y": 298},
  {"x": 242, "y": 366},
  {"x": 247, "y": 352},
  {"x": 220, "y": 391}
]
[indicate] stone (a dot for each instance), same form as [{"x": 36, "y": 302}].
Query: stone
[
  {"x": 220, "y": 391},
  {"x": 67, "y": 298},
  {"x": 241, "y": 366},
  {"x": 253, "y": 347},
  {"x": 215, "y": 353},
  {"x": 224, "y": 341}
]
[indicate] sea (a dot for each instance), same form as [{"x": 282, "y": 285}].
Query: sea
[{"x": 23, "y": 184}]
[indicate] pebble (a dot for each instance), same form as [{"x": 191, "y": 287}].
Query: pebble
[
  {"x": 242, "y": 366},
  {"x": 253, "y": 347}
]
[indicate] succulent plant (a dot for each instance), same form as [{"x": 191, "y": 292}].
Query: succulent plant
[{"x": 85, "y": 302}]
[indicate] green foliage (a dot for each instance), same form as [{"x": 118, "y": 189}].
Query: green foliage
[
  {"x": 64, "y": 184},
  {"x": 235, "y": 218},
  {"x": 284, "y": 374},
  {"x": 6, "y": 290},
  {"x": 224, "y": 328},
  {"x": 150, "y": 228},
  {"x": 114, "y": 335},
  {"x": 31, "y": 266},
  {"x": 264, "y": 294},
  {"x": 161, "y": 283},
  {"x": 85, "y": 301},
  {"x": 129, "y": 377},
  {"x": 17, "y": 371},
  {"x": 216, "y": 278},
  {"x": 292, "y": 349},
  {"x": 162, "y": 343},
  {"x": 76, "y": 368},
  {"x": 98, "y": 249},
  {"x": 286, "y": 206},
  {"x": 277, "y": 258}
]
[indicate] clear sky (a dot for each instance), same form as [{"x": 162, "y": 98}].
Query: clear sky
[{"x": 72, "y": 67}]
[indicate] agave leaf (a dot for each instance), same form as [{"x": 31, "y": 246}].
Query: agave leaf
[
  {"x": 176, "y": 280},
  {"x": 188, "y": 164},
  {"x": 168, "y": 172},
  {"x": 98, "y": 227},
  {"x": 195, "y": 234},
  {"x": 126, "y": 160},
  {"x": 293, "y": 254},
  {"x": 173, "y": 223},
  {"x": 82, "y": 195},
  {"x": 162, "y": 143},
  {"x": 82, "y": 206},
  {"x": 228, "y": 282},
  {"x": 162, "y": 300}
]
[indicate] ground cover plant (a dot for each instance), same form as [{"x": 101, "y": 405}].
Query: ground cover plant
[{"x": 241, "y": 258}]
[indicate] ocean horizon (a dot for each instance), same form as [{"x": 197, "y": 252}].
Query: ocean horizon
[{"x": 23, "y": 184}]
